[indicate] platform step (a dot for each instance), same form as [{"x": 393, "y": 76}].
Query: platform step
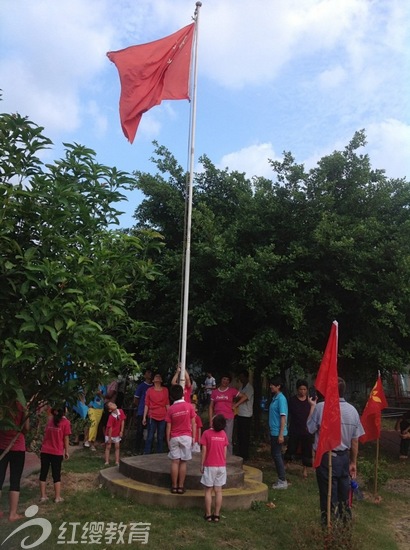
[{"x": 234, "y": 498}]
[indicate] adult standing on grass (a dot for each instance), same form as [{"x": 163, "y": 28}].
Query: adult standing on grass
[
  {"x": 224, "y": 400},
  {"x": 155, "y": 411},
  {"x": 139, "y": 403},
  {"x": 180, "y": 420},
  {"x": 95, "y": 413},
  {"x": 344, "y": 456},
  {"x": 213, "y": 465},
  {"x": 244, "y": 416},
  {"x": 15, "y": 455},
  {"x": 299, "y": 437},
  {"x": 278, "y": 416},
  {"x": 53, "y": 450}
]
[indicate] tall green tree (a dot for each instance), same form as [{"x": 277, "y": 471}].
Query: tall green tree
[
  {"x": 274, "y": 262},
  {"x": 65, "y": 273}
]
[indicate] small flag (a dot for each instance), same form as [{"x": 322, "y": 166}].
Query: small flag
[
  {"x": 326, "y": 383},
  {"x": 150, "y": 73},
  {"x": 371, "y": 418}
]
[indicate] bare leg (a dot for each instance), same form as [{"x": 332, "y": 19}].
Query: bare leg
[
  {"x": 107, "y": 452},
  {"x": 208, "y": 500},
  {"x": 57, "y": 491},
  {"x": 218, "y": 500},
  {"x": 174, "y": 472},
  {"x": 117, "y": 453},
  {"x": 14, "y": 502},
  {"x": 181, "y": 473},
  {"x": 43, "y": 494}
]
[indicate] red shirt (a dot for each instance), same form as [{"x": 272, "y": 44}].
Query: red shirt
[
  {"x": 180, "y": 416},
  {"x": 114, "y": 421},
  {"x": 53, "y": 441},
  {"x": 157, "y": 403},
  {"x": 198, "y": 426},
  {"x": 215, "y": 443},
  {"x": 6, "y": 436},
  {"x": 223, "y": 401}
]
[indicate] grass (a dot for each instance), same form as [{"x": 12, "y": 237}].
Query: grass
[{"x": 292, "y": 523}]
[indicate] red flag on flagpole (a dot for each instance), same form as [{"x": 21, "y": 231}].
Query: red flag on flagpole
[
  {"x": 326, "y": 383},
  {"x": 371, "y": 418},
  {"x": 150, "y": 73}
]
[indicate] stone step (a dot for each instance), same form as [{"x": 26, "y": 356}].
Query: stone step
[
  {"x": 234, "y": 498},
  {"x": 154, "y": 470}
]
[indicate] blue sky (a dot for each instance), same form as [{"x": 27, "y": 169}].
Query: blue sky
[{"x": 273, "y": 75}]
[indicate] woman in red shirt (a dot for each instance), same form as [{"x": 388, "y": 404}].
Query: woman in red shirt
[
  {"x": 15, "y": 455},
  {"x": 53, "y": 450},
  {"x": 156, "y": 405}
]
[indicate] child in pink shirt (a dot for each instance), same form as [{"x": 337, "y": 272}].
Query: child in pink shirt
[
  {"x": 180, "y": 421},
  {"x": 114, "y": 431},
  {"x": 213, "y": 465}
]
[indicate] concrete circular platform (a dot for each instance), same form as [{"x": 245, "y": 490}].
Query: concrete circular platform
[{"x": 146, "y": 479}]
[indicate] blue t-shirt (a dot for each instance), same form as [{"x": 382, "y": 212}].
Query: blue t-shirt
[
  {"x": 278, "y": 408},
  {"x": 140, "y": 393},
  {"x": 98, "y": 402}
]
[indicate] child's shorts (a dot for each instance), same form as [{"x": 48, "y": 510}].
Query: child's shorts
[
  {"x": 180, "y": 447},
  {"x": 214, "y": 476},
  {"x": 115, "y": 439}
]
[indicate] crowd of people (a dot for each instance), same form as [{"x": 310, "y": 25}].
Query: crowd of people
[{"x": 169, "y": 417}]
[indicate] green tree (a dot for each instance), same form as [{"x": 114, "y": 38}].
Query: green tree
[
  {"x": 274, "y": 262},
  {"x": 65, "y": 274}
]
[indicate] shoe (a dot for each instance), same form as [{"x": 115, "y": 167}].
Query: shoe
[
  {"x": 43, "y": 499},
  {"x": 86, "y": 444},
  {"x": 174, "y": 490},
  {"x": 180, "y": 490},
  {"x": 215, "y": 518},
  {"x": 280, "y": 485},
  {"x": 92, "y": 448},
  {"x": 208, "y": 518},
  {"x": 106, "y": 463},
  {"x": 117, "y": 463},
  {"x": 57, "y": 500}
]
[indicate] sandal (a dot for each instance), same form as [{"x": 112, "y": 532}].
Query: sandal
[
  {"x": 215, "y": 519},
  {"x": 208, "y": 518},
  {"x": 180, "y": 490},
  {"x": 174, "y": 490}
]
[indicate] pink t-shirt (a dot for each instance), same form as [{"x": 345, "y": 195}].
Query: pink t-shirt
[
  {"x": 53, "y": 441},
  {"x": 223, "y": 401},
  {"x": 180, "y": 416},
  {"x": 198, "y": 426},
  {"x": 114, "y": 421},
  {"x": 6, "y": 436},
  {"x": 215, "y": 443},
  {"x": 157, "y": 403}
]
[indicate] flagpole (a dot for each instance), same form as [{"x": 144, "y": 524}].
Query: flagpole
[
  {"x": 329, "y": 491},
  {"x": 376, "y": 467},
  {"x": 189, "y": 205}
]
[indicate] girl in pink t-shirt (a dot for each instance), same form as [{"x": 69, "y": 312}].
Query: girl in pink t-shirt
[
  {"x": 213, "y": 465},
  {"x": 53, "y": 450}
]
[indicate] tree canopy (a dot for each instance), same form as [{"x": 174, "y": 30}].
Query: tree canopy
[
  {"x": 274, "y": 262},
  {"x": 65, "y": 272}
]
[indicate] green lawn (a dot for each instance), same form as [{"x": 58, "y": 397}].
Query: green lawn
[{"x": 292, "y": 524}]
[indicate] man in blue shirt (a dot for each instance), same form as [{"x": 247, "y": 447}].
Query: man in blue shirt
[{"x": 278, "y": 416}]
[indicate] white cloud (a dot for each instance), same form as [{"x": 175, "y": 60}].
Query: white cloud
[
  {"x": 389, "y": 146},
  {"x": 253, "y": 160}
]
